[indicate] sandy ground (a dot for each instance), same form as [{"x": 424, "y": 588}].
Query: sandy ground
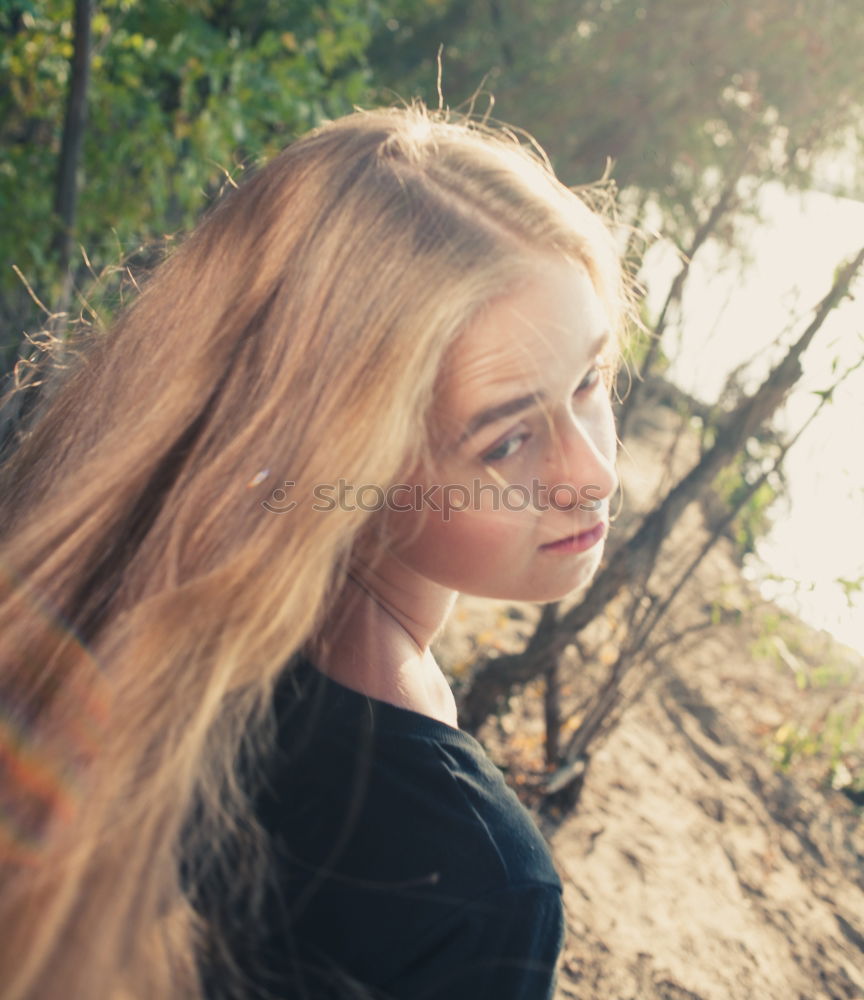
[{"x": 693, "y": 868}]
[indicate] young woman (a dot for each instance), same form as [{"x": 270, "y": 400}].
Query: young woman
[{"x": 373, "y": 377}]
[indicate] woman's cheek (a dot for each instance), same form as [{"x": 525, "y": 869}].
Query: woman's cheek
[
  {"x": 485, "y": 531},
  {"x": 463, "y": 548}
]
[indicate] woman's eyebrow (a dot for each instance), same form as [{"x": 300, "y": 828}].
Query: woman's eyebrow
[
  {"x": 511, "y": 406},
  {"x": 497, "y": 412}
]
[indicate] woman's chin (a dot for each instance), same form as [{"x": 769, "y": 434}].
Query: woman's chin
[
  {"x": 541, "y": 592},
  {"x": 555, "y": 587}
]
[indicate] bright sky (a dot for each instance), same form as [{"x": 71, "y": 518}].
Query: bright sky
[{"x": 732, "y": 314}]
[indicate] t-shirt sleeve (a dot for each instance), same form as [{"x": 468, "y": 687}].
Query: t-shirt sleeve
[{"x": 502, "y": 946}]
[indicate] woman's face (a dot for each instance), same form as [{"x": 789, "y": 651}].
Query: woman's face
[{"x": 524, "y": 446}]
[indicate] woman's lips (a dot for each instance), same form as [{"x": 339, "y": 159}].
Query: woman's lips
[{"x": 577, "y": 543}]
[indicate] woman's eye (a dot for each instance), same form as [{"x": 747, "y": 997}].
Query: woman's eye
[
  {"x": 509, "y": 446},
  {"x": 590, "y": 380},
  {"x": 504, "y": 450}
]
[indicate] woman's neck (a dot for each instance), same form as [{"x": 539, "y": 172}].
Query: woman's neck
[{"x": 377, "y": 636}]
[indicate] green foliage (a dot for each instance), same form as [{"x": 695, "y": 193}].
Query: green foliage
[
  {"x": 639, "y": 340},
  {"x": 851, "y": 588},
  {"x": 754, "y": 519},
  {"x": 836, "y": 742},
  {"x": 181, "y": 96},
  {"x": 825, "y": 731},
  {"x": 184, "y": 94}
]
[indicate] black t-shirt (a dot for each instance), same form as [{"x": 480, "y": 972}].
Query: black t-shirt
[{"x": 405, "y": 867}]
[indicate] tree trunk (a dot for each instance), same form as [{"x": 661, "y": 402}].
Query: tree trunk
[
  {"x": 66, "y": 192},
  {"x": 552, "y": 713}
]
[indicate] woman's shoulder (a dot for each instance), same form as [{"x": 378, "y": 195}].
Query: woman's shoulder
[
  {"x": 398, "y": 790},
  {"x": 399, "y": 854}
]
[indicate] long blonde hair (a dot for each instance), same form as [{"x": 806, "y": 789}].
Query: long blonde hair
[{"x": 148, "y": 601}]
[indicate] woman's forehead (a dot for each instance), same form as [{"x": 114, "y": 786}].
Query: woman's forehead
[{"x": 550, "y": 326}]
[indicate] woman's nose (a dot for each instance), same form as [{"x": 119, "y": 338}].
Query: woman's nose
[{"x": 582, "y": 459}]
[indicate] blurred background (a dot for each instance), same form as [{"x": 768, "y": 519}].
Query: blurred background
[
  {"x": 729, "y": 615},
  {"x": 732, "y": 130}
]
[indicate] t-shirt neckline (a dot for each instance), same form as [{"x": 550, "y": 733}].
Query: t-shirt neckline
[{"x": 384, "y": 716}]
